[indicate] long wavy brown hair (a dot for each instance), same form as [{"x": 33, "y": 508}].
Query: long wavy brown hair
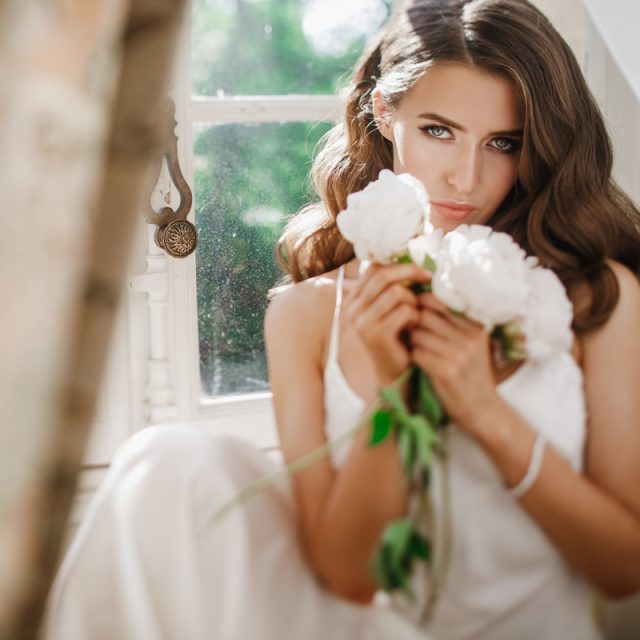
[{"x": 564, "y": 208}]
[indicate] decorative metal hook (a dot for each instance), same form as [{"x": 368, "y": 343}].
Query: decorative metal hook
[{"x": 175, "y": 234}]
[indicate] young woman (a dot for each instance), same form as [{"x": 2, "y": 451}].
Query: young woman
[{"x": 485, "y": 104}]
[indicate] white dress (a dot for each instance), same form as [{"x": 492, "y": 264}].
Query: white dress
[{"x": 147, "y": 562}]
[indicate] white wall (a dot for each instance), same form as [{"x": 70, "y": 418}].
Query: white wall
[
  {"x": 568, "y": 17},
  {"x": 604, "y": 36},
  {"x": 612, "y": 67}
]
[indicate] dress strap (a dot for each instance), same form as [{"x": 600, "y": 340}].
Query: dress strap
[{"x": 335, "y": 326}]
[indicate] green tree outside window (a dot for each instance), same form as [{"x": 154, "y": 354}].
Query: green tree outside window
[{"x": 249, "y": 178}]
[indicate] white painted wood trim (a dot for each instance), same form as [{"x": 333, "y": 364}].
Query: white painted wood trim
[
  {"x": 617, "y": 99},
  {"x": 617, "y": 22},
  {"x": 289, "y": 108}
]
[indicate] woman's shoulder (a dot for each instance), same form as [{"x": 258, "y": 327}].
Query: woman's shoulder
[
  {"x": 628, "y": 304},
  {"x": 304, "y": 296},
  {"x": 302, "y": 310},
  {"x": 627, "y": 309},
  {"x": 629, "y": 298},
  {"x": 628, "y": 281},
  {"x": 624, "y": 322}
]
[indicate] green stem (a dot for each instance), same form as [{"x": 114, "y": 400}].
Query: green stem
[{"x": 297, "y": 465}]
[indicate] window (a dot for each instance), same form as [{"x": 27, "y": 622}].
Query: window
[{"x": 259, "y": 93}]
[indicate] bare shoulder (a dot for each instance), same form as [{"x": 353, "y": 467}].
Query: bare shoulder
[
  {"x": 612, "y": 368},
  {"x": 297, "y": 323},
  {"x": 301, "y": 313},
  {"x": 626, "y": 314},
  {"x": 629, "y": 284}
]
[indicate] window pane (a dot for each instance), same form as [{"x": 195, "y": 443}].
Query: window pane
[
  {"x": 266, "y": 47},
  {"x": 248, "y": 179}
]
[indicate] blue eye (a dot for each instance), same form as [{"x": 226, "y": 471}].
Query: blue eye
[
  {"x": 437, "y": 131},
  {"x": 506, "y": 145}
]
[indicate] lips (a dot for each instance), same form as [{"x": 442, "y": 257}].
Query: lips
[{"x": 452, "y": 210}]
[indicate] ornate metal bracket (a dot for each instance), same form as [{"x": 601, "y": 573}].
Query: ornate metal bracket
[{"x": 175, "y": 234}]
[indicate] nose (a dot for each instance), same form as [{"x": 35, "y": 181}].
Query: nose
[{"x": 464, "y": 173}]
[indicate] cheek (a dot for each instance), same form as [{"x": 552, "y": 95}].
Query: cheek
[
  {"x": 504, "y": 174},
  {"x": 413, "y": 154}
]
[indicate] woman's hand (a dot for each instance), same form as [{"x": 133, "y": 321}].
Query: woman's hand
[
  {"x": 455, "y": 353},
  {"x": 381, "y": 307}
]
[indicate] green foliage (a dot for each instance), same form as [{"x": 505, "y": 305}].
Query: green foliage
[
  {"x": 381, "y": 426},
  {"x": 428, "y": 403},
  {"x": 429, "y": 264},
  {"x": 249, "y": 178},
  {"x": 246, "y": 185},
  {"x": 400, "y": 546},
  {"x": 417, "y": 436},
  {"x": 510, "y": 343},
  {"x": 259, "y": 48}
]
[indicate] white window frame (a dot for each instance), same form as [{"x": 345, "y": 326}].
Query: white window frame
[{"x": 174, "y": 389}]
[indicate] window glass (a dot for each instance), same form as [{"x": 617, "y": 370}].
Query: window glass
[
  {"x": 250, "y": 177},
  {"x": 266, "y": 47},
  {"x": 248, "y": 180}
]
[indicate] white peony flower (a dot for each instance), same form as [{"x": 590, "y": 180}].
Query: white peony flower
[
  {"x": 547, "y": 317},
  {"x": 482, "y": 274},
  {"x": 424, "y": 248},
  {"x": 381, "y": 219}
]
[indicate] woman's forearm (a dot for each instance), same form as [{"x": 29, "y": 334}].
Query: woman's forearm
[
  {"x": 369, "y": 491},
  {"x": 599, "y": 536}
]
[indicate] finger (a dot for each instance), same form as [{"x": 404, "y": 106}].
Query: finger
[
  {"x": 429, "y": 358},
  {"x": 390, "y": 297},
  {"x": 440, "y": 324},
  {"x": 429, "y": 301},
  {"x": 387, "y": 328},
  {"x": 464, "y": 322},
  {"x": 379, "y": 277},
  {"x": 399, "y": 318},
  {"x": 426, "y": 340}
]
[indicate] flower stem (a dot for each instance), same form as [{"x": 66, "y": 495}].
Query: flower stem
[{"x": 271, "y": 479}]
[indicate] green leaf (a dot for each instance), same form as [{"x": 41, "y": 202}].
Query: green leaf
[
  {"x": 428, "y": 401},
  {"x": 398, "y": 536},
  {"x": 419, "y": 547},
  {"x": 387, "y": 568},
  {"x": 404, "y": 421},
  {"x": 425, "y": 477},
  {"x": 423, "y": 440},
  {"x": 380, "y": 568},
  {"x": 429, "y": 263},
  {"x": 381, "y": 427},
  {"x": 393, "y": 399},
  {"x": 400, "y": 546},
  {"x": 401, "y": 577},
  {"x": 405, "y": 259},
  {"x": 407, "y": 450}
]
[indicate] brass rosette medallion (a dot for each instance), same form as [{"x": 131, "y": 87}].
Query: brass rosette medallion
[{"x": 178, "y": 238}]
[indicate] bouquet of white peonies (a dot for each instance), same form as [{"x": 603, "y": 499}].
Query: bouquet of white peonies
[{"x": 479, "y": 273}]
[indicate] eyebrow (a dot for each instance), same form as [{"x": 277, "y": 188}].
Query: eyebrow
[{"x": 455, "y": 125}]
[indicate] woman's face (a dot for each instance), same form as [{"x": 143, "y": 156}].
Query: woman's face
[{"x": 459, "y": 131}]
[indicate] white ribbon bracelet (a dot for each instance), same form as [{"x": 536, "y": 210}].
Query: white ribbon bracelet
[{"x": 533, "y": 470}]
